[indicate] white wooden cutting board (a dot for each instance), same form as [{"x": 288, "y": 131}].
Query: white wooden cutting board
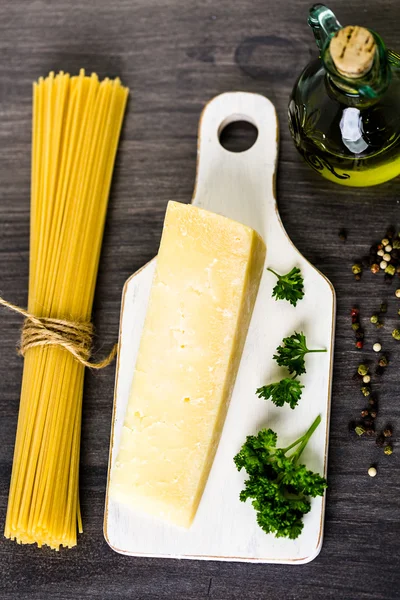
[{"x": 240, "y": 186}]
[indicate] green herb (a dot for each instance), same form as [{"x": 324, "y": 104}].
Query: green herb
[
  {"x": 292, "y": 352},
  {"x": 289, "y": 287},
  {"x": 277, "y": 485},
  {"x": 287, "y": 390}
]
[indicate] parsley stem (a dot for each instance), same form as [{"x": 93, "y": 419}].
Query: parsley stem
[
  {"x": 309, "y": 351},
  {"x": 272, "y": 271},
  {"x": 306, "y": 437}
]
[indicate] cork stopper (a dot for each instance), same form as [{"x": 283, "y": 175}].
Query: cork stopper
[{"x": 352, "y": 50}]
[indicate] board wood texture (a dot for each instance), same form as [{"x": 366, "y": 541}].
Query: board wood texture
[{"x": 240, "y": 186}]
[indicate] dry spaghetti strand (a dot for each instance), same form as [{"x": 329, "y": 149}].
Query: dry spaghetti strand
[{"x": 75, "y": 131}]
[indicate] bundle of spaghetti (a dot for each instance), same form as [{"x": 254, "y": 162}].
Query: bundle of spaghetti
[{"x": 76, "y": 127}]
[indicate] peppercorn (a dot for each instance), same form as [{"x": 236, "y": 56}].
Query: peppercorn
[
  {"x": 359, "y": 335},
  {"x": 342, "y": 235},
  {"x": 357, "y": 277},
  {"x": 365, "y": 412},
  {"x": 356, "y": 269},
  {"x": 374, "y": 319},
  {"x": 388, "y": 432},
  {"x": 396, "y": 334},
  {"x": 384, "y": 242},
  {"x": 370, "y": 431},
  {"x": 372, "y": 471},
  {"x": 366, "y": 379},
  {"x": 359, "y": 344},
  {"x": 352, "y": 426},
  {"x": 365, "y": 261},
  {"x": 383, "y": 265},
  {"x": 362, "y": 369},
  {"x": 390, "y": 270},
  {"x": 390, "y": 233},
  {"x": 388, "y": 278},
  {"x": 398, "y": 312},
  {"x": 354, "y": 312},
  {"x": 396, "y": 244},
  {"x": 387, "y": 257},
  {"x": 375, "y": 268},
  {"x": 381, "y": 252},
  {"x": 388, "y": 449},
  {"x": 388, "y": 248},
  {"x": 355, "y": 326},
  {"x": 373, "y": 414},
  {"x": 383, "y": 361},
  {"x": 365, "y": 390},
  {"x": 379, "y": 370},
  {"x": 397, "y": 293},
  {"x": 377, "y": 347},
  {"x": 380, "y": 440},
  {"x": 383, "y": 307},
  {"x": 372, "y": 402},
  {"x": 360, "y": 430}
]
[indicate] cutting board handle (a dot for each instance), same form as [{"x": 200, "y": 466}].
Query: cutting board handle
[{"x": 240, "y": 185}]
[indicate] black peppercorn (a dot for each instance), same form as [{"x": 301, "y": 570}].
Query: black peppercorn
[
  {"x": 390, "y": 233},
  {"x": 373, "y": 414},
  {"x": 359, "y": 335},
  {"x": 388, "y": 431},
  {"x": 380, "y": 440},
  {"x": 379, "y": 370},
  {"x": 383, "y": 307},
  {"x": 342, "y": 235},
  {"x": 352, "y": 426},
  {"x": 383, "y": 361}
]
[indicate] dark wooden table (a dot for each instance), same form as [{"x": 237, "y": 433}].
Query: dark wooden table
[{"x": 175, "y": 55}]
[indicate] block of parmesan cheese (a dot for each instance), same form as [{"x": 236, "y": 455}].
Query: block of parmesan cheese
[{"x": 203, "y": 293}]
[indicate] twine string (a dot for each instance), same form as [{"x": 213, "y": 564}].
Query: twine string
[{"x": 74, "y": 336}]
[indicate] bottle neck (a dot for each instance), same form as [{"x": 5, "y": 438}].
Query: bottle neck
[{"x": 368, "y": 87}]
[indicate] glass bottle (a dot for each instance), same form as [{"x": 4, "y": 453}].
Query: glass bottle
[{"x": 344, "y": 112}]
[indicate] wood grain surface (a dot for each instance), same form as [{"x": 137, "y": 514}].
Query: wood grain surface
[{"x": 175, "y": 55}]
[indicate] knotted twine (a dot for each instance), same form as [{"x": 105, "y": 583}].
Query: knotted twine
[{"x": 74, "y": 336}]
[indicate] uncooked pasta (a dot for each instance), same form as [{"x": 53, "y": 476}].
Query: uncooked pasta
[{"x": 76, "y": 128}]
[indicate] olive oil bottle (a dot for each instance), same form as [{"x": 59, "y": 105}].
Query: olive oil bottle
[{"x": 344, "y": 112}]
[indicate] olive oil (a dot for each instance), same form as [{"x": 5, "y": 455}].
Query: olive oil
[{"x": 344, "y": 110}]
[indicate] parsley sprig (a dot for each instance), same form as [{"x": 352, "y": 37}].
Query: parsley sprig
[
  {"x": 277, "y": 485},
  {"x": 292, "y": 352},
  {"x": 287, "y": 390},
  {"x": 289, "y": 287},
  {"x": 291, "y": 355}
]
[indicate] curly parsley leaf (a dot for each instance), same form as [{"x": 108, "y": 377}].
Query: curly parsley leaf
[
  {"x": 277, "y": 486},
  {"x": 292, "y": 352},
  {"x": 289, "y": 287},
  {"x": 287, "y": 390}
]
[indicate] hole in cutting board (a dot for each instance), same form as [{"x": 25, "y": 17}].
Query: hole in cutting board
[{"x": 238, "y": 136}]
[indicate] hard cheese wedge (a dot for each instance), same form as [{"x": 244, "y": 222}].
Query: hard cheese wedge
[{"x": 202, "y": 297}]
